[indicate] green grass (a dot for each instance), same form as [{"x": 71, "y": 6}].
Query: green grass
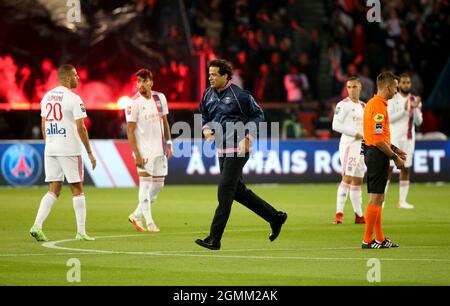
[{"x": 309, "y": 251}]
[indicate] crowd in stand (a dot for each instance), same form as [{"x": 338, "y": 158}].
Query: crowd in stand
[
  {"x": 275, "y": 56},
  {"x": 410, "y": 37}
]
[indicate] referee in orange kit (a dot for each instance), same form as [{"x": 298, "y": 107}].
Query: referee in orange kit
[{"x": 377, "y": 152}]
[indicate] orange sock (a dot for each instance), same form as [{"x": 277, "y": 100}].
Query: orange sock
[
  {"x": 371, "y": 219},
  {"x": 378, "y": 226}
]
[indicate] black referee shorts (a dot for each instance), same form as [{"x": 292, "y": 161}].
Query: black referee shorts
[{"x": 377, "y": 164}]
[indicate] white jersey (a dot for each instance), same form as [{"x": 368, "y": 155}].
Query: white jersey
[
  {"x": 147, "y": 113},
  {"x": 403, "y": 117},
  {"x": 61, "y": 108},
  {"x": 348, "y": 119}
]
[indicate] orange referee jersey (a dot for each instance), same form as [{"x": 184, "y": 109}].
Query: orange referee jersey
[{"x": 376, "y": 122}]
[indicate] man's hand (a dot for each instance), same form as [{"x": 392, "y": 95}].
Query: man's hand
[
  {"x": 245, "y": 145},
  {"x": 358, "y": 136},
  {"x": 417, "y": 102},
  {"x": 93, "y": 160},
  {"x": 209, "y": 135},
  {"x": 402, "y": 154},
  {"x": 140, "y": 162},
  {"x": 169, "y": 151},
  {"x": 399, "y": 163}
]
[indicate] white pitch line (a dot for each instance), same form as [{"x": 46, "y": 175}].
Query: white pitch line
[
  {"x": 53, "y": 245},
  {"x": 45, "y": 254}
]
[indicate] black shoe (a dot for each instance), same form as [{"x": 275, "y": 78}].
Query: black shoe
[
  {"x": 372, "y": 245},
  {"x": 386, "y": 244},
  {"x": 208, "y": 243},
  {"x": 276, "y": 226}
]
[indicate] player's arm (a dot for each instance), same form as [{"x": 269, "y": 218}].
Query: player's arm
[
  {"x": 394, "y": 115},
  {"x": 167, "y": 137},
  {"x": 417, "y": 111},
  {"x": 43, "y": 128},
  {"x": 84, "y": 136},
  {"x": 131, "y": 127},
  {"x": 339, "y": 126}
]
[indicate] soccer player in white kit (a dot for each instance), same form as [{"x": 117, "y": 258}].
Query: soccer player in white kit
[
  {"x": 64, "y": 132},
  {"x": 147, "y": 128},
  {"x": 348, "y": 120},
  {"x": 405, "y": 114}
]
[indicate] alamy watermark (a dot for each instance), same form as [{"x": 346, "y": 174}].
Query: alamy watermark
[
  {"x": 374, "y": 273},
  {"x": 74, "y": 273},
  {"x": 74, "y": 11},
  {"x": 264, "y": 137},
  {"x": 374, "y": 13}
]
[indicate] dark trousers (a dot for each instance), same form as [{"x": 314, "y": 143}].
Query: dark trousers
[{"x": 232, "y": 188}]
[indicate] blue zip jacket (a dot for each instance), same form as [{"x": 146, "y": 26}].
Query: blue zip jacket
[{"x": 230, "y": 106}]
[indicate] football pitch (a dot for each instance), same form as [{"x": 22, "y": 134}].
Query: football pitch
[{"x": 309, "y": 251}]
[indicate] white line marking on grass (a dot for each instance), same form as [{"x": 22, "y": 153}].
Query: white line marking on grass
[
  {"x": 218, "y": 254},
  {"x": 45, "y": 254}
]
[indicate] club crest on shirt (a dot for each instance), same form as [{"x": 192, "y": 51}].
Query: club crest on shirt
[
  {"x": 338, "y": 109},
  {"x": 129, "y": 110},
  {"x": 83, "y": 109},
  {"x": 378, "y": 118}
]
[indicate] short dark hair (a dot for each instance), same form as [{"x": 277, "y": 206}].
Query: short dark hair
[
  {"x": 224, "y": 67},
  {"x": 385, "y": 78},
  {"x": 64, "y": 71},
  {"x": 353, "y": 78},
  {"x": 144, "y": 74},
  {"x": 404, "y": 75}
]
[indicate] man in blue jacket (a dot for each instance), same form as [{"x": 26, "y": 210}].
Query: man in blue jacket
[{"x": 230, "y": 116}]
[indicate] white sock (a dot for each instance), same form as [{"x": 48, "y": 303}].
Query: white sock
[
  {"x": 144, "y": 198},
  {"x": 45, "y": 207},
  {"x": 342, "y": 195},
  {"x": 356, "y": 198},
  {"x": 403, "y": 193},
  {"x": 157, "y": 185},
  {"x": 79, "y": 205},
  {"x": 385, "y": 192},
  {"x": 137, "y": 213}
]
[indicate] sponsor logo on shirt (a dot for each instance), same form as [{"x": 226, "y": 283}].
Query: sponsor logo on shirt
[
  {"x": 54, "y": 130},
  {"x": 379, "y": 128},
  {"x": 378, "y": 118}
]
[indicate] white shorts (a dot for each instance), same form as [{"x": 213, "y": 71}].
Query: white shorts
[
  {"x": 58, "y": 167},
  {"x": 406, "y": 145},
  {"x": 351, "y": 159},
  {"x": 155, "y": 166}
]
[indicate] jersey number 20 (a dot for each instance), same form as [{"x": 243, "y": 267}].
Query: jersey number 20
[{"x": 55, "y": 110}]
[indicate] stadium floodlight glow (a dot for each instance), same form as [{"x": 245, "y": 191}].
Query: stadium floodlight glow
[{"x": 123, "y": 102}]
